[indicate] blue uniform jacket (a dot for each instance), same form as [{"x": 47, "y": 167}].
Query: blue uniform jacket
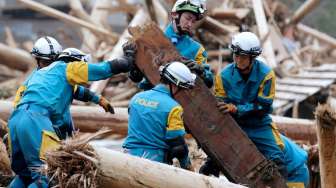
[
  {"x": 64, "y": 78},
  {"x": 154, "y": 117},
  {"x": 190, "y": 49},
  {"x": 253, "y": 97}
]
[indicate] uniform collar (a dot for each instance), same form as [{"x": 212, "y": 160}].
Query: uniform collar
[
  {"x": 162, "y": 88},
  {"x": 172, "y": 35},
  {"x": 253, "y": 75}
]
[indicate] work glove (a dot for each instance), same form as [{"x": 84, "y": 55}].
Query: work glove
[
  {"x": 129, "y": 49},
  {"x": 227, "y": 107},
  {"x": 135, "y": 75},
  {"x": 194, "y": 66},
  {"x": 103, "y": 102}
]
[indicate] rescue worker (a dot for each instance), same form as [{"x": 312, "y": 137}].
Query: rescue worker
[
  {"x": 155, "y": 129},
  {"x": 48, "y": 93},
  {"x": 44, "y": 56},
  {"x": 246, "y": 90},
  {"x": 296, "y": 164},
  {"x": 185, "y": 14}
]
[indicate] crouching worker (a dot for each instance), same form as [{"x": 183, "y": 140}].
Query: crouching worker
[
  {"x": 47, "y": 94},
  {"x": 155, "y": 129}
]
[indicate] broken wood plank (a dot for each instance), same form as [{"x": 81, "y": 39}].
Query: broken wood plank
[
  {"x": 306, "y": 90},
  {"x": 326, "y": 121},
  {"x": 290, "y": 96},
  {"x": 263, "y": 29},
  {"x": 150, "y": 8},
  {"x": 140, "y": 18},
  {"x": 306, "y": 82},
  {"x": 217, "y": 27},
  {"x": 315, "y": 75},
  {"x": 217, "y": 133},
  {"x": 317, "y": 34},
  {"x": 67, "y": 18},
  {"x": 303, "y": 10},
  {"x": 15, "y": 58},
  {"x": 226, "y": 13}
]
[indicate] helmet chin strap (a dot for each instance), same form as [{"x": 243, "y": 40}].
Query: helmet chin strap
[
  {"x": 171, "y": 90},
  {"x": 179, "y": 28}
]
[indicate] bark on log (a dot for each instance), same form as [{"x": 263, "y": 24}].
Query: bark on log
[
  {"x": 126, "y": 171},
  {"x": 15, "y": 58},
  {"x": 317, "y": 34},
  {"x": 263, "y": 31},
  {"x": 140, "y": 18},
  {"x": 326, "y": 121},
  {"x": 303, "y": 10},
  {"x": 67, "y": 18}
]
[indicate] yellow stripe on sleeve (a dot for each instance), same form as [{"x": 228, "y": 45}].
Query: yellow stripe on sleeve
[
  {"x": 77, "y": 72},
  {"x": 269, "y": 76},
  {"x": 18, "y": 95},
  {"x": 175, "y": 120},
  {"x": 199, "y": 58}
]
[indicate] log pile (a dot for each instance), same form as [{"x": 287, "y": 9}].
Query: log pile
[{"x": 289, "y": 46}]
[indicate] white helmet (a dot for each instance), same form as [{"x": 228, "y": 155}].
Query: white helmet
[
  {"x": 195, "y": 6},
  {"x": 178, "y": 74},
  {"x": 46, "y": 48},
  {"x": 246, "y": 43},
  {"x": 73, "y": 54}
]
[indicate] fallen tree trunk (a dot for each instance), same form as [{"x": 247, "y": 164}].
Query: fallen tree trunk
[
  {"x": 140, "y": 18},
  {"x": 15, "y": 58},
  {"x": 86, "y": 118},
  {"x": 297, "y": 129},
  {"x": 326, "y": 121},
  {"x": 121, "y": 170},
  {"x": 303, "y": 10},
  {"x": 67, "y": 18},
  {"x": 107, "y": 168}
]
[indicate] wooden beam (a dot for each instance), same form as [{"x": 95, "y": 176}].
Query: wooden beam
[
  {"x": 217, "y": 27},
  {"x": 15, "y": 58},
  {"x": 10, "y": 41},
  {"x": 140, "y": 18},
  {"x": 233, "y": 13},
  {"x": 303, "y": 10},
  {"x": 151, "y": 10},
  {"x": 317, "y": 34},
  {"x": 326, "y": 121},
  {"x": 67, "y": 18},
  {"x": 263, "y": 29}
]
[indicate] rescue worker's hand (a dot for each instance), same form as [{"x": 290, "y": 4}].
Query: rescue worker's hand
[
  {"x": 135, "y": 75},
  {"x": 129, "y": 49},
  {"x": 103, "y": 102},
  {"x": 227, "y": 107},
  {"x": 197, "y": 68}
]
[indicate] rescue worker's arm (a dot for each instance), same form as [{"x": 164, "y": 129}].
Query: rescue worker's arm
[
  {"x": 264, "y": 99},
  {"x": 219, "y": 90},
  {"x": 84, "y": 94},
  {"x": 175, "y": 138},
  {"x": 201, "y": 59}
]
